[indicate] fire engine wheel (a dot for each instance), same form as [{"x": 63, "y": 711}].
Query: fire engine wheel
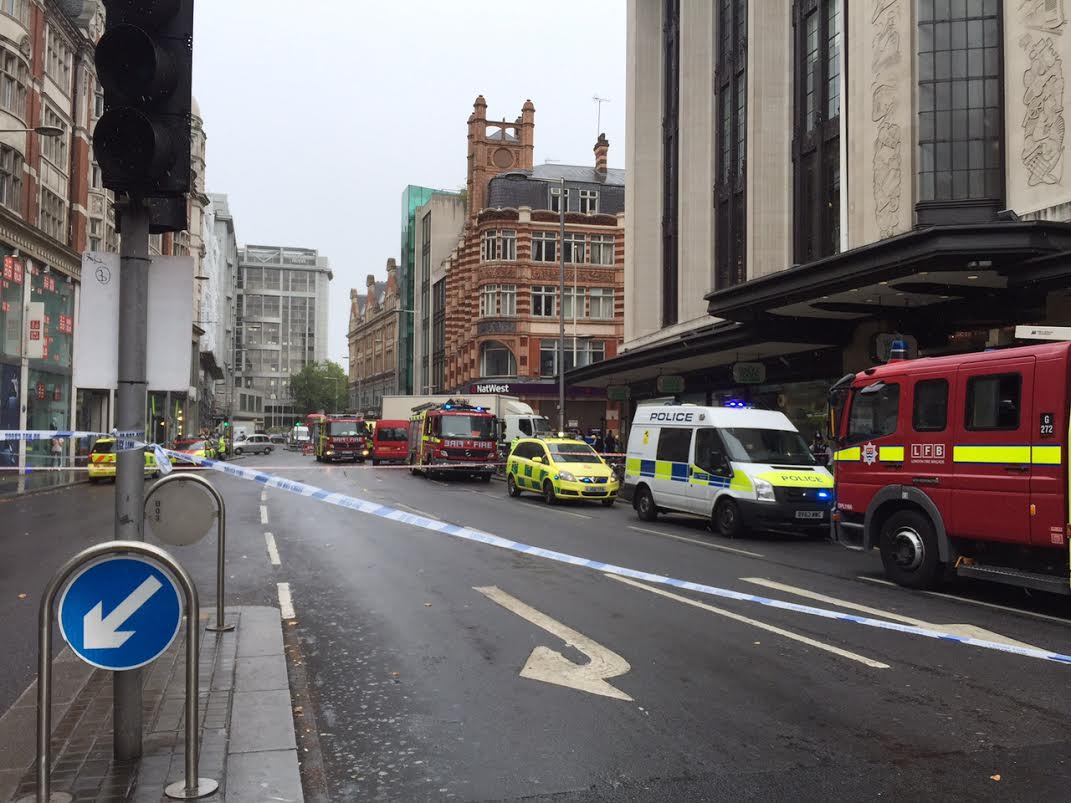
[
  {"x": 644, "y": 504},
  {"x": 548, "y": 493},
  {"x": 909, "y": 550},
  {"x": 511, "y": 486}
]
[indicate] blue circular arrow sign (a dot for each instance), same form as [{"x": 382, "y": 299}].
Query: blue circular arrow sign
[{"x": 120, "y": 613}]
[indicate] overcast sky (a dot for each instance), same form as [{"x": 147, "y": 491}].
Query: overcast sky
[{"x": 319, "y": 113}]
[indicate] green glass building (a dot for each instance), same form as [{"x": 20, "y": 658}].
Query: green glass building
[{"x": 413, "y": 197}]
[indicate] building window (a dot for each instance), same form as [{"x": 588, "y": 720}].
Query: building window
[
  {"x": 13, "y": 79},
  {"x": 497, "y": 360},
  {"x": 585, "y": 352},
  {"x": 53, "y": 217},
  {"x": 95, "y": 180},
  {"x": 671, "y": 62},
  {"x": 498, "y": 299},
  {"x": 602, "y": 303},
  {"x": 573, "y": 302},
  {"x": 602, "y": 249},
  {"x": 499, "y": 244},
  {"x": 816, "y": 145},
  {"x": 11, "y": 178},
  {"x": 58, "y": 56},
  {"x": 555, "y": 195},
  {"x": 98, "y": 104},
  {"x": 731, "y": 81},
  {"x": 574, "y": 248},
  {"x": 543, "y": 301},
  {"x": 589, "y": 202},
  {"x": 960, "y": 108},
  {"x": 544, "y": 246},
  {"x": 55, "y": 148},
  {"x": 19, "y": 9}
]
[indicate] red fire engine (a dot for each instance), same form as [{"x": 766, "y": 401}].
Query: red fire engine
[
  {"x": 448, "y": 438},
  {"x": 338, "y": 437},
  {"x": 958, "y": 465}
]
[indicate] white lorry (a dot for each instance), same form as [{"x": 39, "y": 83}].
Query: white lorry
[{"x": 516, "y": 419}]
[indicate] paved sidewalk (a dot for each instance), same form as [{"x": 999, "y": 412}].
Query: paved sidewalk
[{"x": 247, "y": 727}]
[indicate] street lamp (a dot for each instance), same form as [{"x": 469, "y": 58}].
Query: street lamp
[
  {"x": 520, "y": 176},
  {"x": 41, "y": 130}
]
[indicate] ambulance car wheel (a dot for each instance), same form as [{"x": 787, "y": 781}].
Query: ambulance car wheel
[
  {"x": 94, "y": 480},
  {"x": 645, "y": 506},
  {"x": 909, "y": 550},
  {"x": 511, "y": 486},
  {"x": 727, "y": 521},
  {"x": 548, "y": 493}
]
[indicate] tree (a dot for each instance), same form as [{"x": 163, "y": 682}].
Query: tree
[{"x": 320, "y": 386}]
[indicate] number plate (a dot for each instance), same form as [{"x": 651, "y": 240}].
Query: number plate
[{"x": 810, "y": 514}]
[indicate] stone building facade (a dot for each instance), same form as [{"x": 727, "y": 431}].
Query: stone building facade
[
  {"x": 786, "y": 223},
  {"x": 374, "y": 337}
]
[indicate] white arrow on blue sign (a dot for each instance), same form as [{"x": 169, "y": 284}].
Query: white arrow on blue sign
[{"x": 120, "y": 613}]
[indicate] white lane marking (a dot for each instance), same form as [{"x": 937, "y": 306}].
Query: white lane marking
[
  {"x": 263, "y": 514},
  {"x": 755, "y": 623},
  {"x": 971, "y": 631},
  {"x": 719, "y": 547},
  {"x": 569, "y": 513},
  {"x": 286, "y": 602},
  {"x": 550, "y": 666},
  {"x": 417, "y": 511},
  {"x": 273, "y": 551},
  {"x": 970, "y": 601},
  {"x": 263, "y": 496}
]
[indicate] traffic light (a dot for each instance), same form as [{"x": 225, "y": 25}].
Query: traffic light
[{"x": 144, "y": 62}]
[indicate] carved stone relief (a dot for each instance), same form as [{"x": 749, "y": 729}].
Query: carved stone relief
[
  {"x": 888, "y": 141},
  {"x": 1043, "y": 92}
]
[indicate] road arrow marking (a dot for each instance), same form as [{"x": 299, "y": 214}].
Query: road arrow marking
[
  {"x": 103, "y": 633},
  {"x": 550, "y": 666}
]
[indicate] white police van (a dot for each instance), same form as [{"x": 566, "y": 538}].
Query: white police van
[{"x": 745, "y": 469}]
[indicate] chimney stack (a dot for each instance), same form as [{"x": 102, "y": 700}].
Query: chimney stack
[{"x": 602, "y": 149}]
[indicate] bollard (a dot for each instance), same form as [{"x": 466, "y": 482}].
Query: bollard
[
  {"x": 172, "y": 533},
  {"x": 190, "y": 788}
]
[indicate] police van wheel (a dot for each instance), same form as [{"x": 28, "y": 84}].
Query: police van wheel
[
  {"x": 726, "y": 519},
  {"x": 645, "y": 506},
  {"x": 511, "y": 486},
  {"x": 909, "y": 553},
  {"x": 548, "y": 493}
]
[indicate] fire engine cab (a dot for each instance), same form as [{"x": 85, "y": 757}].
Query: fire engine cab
[
  {"x": 452, "y": 439},
  {"x": 958, "y": 465}
]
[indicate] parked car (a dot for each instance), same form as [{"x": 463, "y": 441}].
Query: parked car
[{"x": 254, "y": 444}]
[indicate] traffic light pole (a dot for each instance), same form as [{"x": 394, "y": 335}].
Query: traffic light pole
[{"x": 130, "y": 418}]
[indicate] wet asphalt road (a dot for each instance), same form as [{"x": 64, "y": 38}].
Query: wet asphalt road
[{"x": 416, "y": 682}]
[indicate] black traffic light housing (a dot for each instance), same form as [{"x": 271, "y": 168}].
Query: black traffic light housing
[{"x": 145, "y": 64}]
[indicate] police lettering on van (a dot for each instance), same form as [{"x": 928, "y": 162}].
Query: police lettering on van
[{"x": 744, "y": 469}]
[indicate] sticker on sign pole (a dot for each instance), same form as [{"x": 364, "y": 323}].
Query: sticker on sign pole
[{"x": 120, "y": 613}]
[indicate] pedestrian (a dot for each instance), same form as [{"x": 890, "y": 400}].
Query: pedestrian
[
  {"x": 600, "y": 443},
  {"x": 820, "y": 449},
  {"x": 611, "y": 442}
]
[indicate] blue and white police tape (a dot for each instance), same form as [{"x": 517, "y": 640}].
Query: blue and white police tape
[{"x": 470, "y": 534}]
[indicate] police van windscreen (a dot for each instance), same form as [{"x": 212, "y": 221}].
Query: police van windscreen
[
  {"x": 573, "y": 453},
  {"x": 781, "y": 446},
  {"x": 466, "y": 426}
]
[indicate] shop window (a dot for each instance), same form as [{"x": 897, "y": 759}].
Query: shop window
[
  {"x": 930, "y": 413},
  {"x": 673, "y": 445},
  {"x": 993, "y": 402},
  {"x": 875, "y": 411}
]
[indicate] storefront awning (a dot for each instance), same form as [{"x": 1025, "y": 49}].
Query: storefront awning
[{"x": 966, "y": 275}]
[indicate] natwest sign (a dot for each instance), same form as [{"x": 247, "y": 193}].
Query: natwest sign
[{"x": 548, "y": 389}]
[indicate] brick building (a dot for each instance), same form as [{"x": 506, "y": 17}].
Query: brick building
[
  {"x": 375, "y": 342},
  {"x": 502, "y": 280}
]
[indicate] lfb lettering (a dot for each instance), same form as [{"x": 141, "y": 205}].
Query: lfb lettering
[{"x": 681, "y": 416}]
